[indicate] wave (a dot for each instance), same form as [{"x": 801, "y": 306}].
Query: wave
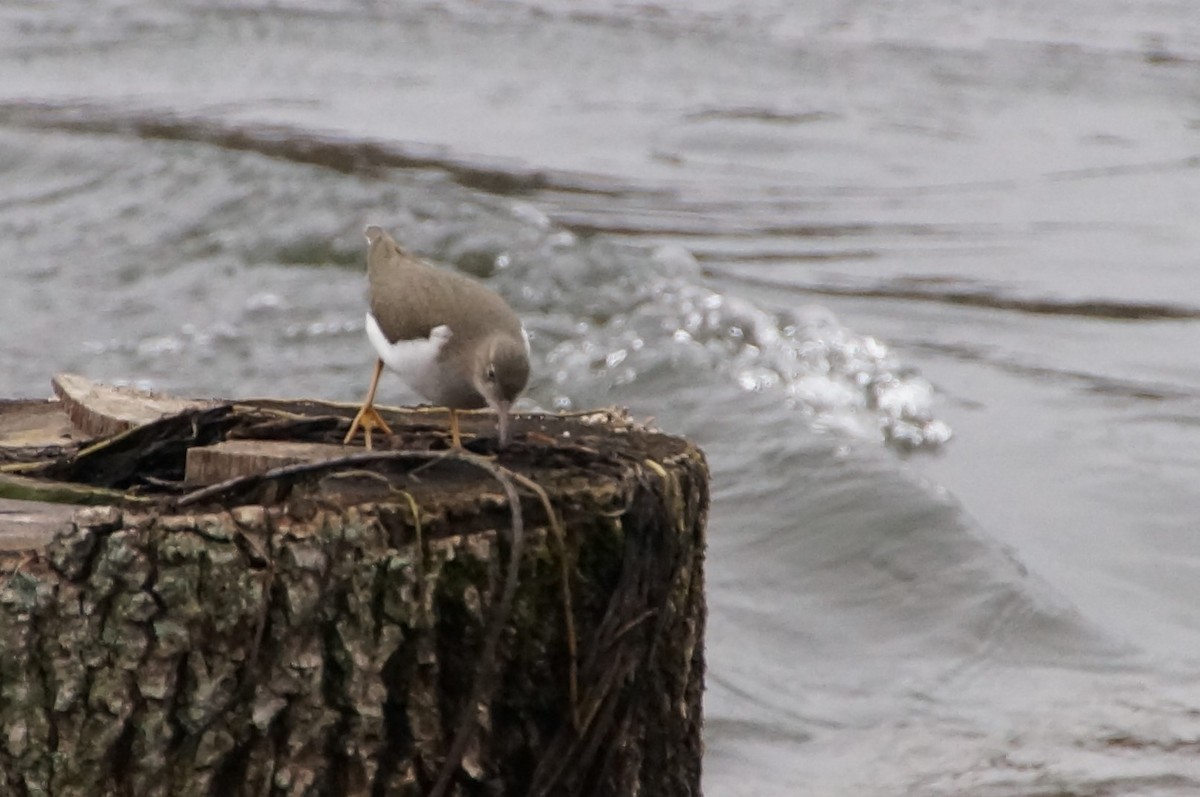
[
  {"x": 1111, "y": 309},
  {"x": 604, "y": 315},
  {"x": 339, "y": 153}
]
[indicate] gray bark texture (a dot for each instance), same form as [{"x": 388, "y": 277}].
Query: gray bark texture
[{"x": 365, "y": 631}]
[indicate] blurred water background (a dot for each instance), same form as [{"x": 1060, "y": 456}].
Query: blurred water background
[{"x": 921, "y": 277}]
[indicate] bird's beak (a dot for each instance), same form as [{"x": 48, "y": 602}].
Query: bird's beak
[{"x": 502, "y": 410}]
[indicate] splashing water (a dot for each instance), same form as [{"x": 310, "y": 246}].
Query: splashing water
[{"x": 839, "y": 380}]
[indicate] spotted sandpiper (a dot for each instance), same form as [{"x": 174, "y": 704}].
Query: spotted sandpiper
[{"x": 454, "y": 342}]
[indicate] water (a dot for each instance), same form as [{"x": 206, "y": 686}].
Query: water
[{"x": 919, "y": 277}]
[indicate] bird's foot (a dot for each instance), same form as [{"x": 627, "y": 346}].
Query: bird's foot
[{"x": 368, "y": 419}]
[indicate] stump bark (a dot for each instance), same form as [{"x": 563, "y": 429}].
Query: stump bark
[{"x": 349, "y": 624}]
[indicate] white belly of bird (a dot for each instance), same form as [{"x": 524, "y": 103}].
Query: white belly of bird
[{"x": 416, "y": 361}]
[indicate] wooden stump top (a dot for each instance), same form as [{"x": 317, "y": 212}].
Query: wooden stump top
[
  {"x": 218, "y": 597},
  {"x": 102, "y": 445}
]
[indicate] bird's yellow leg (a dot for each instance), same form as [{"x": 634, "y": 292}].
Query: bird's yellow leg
[
  {"x": 368, "y": 418},
  {"x": 455, "y": 437}
]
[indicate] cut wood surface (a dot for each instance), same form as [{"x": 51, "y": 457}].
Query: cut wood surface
[
  {"x": 98, "y": 409},
  {"x": 247, "y": 607},
  {"x": 233, "y": 458},
  {"x": 32, "y": 424},
  {"x": 28, "y": 525}
]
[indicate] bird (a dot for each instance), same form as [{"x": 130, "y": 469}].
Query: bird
[{"x": 455, "y": 342}]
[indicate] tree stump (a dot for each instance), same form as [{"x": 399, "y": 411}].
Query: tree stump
[{"x": 400, "y": 622}]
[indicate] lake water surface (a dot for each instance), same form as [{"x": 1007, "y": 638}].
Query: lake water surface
[{"x": 921, "y": 277}]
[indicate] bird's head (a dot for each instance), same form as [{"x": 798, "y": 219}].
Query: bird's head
[{"x": 500, "y": 375}]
